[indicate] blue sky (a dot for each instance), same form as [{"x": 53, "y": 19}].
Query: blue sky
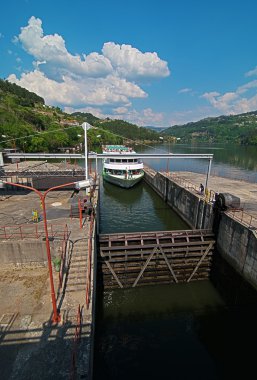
[{"x": 149, "y": 62}]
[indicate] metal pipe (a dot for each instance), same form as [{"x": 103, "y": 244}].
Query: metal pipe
[
  {"x": 208, "y": 173},
  {"x": 56, "y": 315},
  {"x": 85, "y": 150},
  {"x": 106, "y": 155}
]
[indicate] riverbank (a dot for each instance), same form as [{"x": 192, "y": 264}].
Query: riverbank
[{"x": 246, "y": 191}]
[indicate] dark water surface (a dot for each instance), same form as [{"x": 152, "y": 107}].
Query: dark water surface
[
  {"x": 135, "y": 209},
  {"x": 182, "y": 331}
]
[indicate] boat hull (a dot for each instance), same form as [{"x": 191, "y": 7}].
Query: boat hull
[{"x": 122, "y": 182}]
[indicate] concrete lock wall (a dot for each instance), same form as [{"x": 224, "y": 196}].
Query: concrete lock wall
[
  {"x": 235, "y": 242},
  {"x": 193, "y": 210},
  {"x": 25, "y": 252},
  {"x": 238, "y": 245}
]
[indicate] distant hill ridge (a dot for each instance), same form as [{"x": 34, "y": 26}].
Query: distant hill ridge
[
  {"x": 26, "y": 122},
  {"x": 238, "y": 129}
]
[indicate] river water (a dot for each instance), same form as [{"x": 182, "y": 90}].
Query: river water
[
  {"x": 232, "y": 161},
  {"x": 182, "y": 331}
]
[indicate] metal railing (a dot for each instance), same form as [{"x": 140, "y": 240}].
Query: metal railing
[
  {"x": 209, "y": 197},
  {"x": 89, "y": 260},
  {"x": 31, "y": 231},
  {"x": 76, "y": 340},
  {"x": 63, "y": 255},
  {"x": 243, "y": 217}
]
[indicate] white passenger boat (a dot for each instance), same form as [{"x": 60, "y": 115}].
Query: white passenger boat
[{"x": 122, "y": 171}]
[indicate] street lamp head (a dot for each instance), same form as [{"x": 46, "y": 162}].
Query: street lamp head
[
  {"x": 84, "y": 184},
  {"x": 86, "y": 126}
]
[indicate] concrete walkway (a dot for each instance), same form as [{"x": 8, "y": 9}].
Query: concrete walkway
[
  {"x": 246, "y": 191},
  {"x": 30, "y": 346}
]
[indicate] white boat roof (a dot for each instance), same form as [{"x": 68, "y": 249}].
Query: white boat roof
[
  {"x": 124, "y": 166},
  {"x": 117, "y": 149}
]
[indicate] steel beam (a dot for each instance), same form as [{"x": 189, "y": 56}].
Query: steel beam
[{"x": 104, "y": 155}]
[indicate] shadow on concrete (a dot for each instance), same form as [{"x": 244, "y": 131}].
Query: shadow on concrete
[{"x": 41, "y": 351}]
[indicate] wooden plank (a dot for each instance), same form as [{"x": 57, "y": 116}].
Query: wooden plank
[
  {"x": 160, "y": 234},
  {"x": 169, "y": 266},
  {"x": 134, "y": 258},
  {"x": 151, "y": 246},
  {"x": 199, "y": 263},
  {"x": 114, "y": 274},
  {"x": 143, "y": 269}
]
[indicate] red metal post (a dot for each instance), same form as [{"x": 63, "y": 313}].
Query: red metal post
[
  {"x": 56, "y": 315},
  {"x": 80, "y": 214}
]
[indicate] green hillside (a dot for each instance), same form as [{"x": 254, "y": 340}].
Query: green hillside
[
  {"x": 128, "y": 130},
  {"x": 27, "y": 123},
  {"x": 236, "y": 129}
]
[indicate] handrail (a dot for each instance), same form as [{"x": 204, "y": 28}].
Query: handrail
[
  {"x": 243, "y": 217},
  {"x": 209, "y": 197},
  {"x": 63, "y": 255},
  {"x": 30, "y": 231},
  {"x": 88, "y": 286},
  {"x": 76, "y": 340}
]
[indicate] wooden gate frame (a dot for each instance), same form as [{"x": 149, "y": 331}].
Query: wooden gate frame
[{"x": 159, "y": 249}]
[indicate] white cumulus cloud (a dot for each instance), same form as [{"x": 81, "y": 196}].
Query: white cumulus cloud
[
  {"x": 106, "y": 79},
  {"x": 132, "y": 63},
  {"x": 185, "y": 90},
  {"x": 243, "y": 99},
  {"x": 90, "y": 91},
  {"x": 233, "y": 102},
  {"x": 54, "y": 59},
  {"x": 142, "y": 118},
  {"x": 251, "y": 72}
]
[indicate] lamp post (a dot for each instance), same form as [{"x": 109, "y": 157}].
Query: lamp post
[
  {"x": 56, "y": 315},
  {"x": 10, "y": 139},
  {"x": 86, "y": 126},
  {"x": 96, "y": 168}
]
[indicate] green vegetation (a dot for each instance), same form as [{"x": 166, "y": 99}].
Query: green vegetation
[
  {"x": 236, "y": 129},
  {"x": 23, "y": 96},
  {"x": 28, "y": 124},
  {"x": 127, "y": 130}
]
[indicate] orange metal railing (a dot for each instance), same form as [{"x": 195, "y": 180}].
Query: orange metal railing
[
  {"x": 31, "y": 231},
  {"x": 243, "y": 217},
  {"x": 63, "y": 255},
  {"x": 89, "y": 261},
  {"x": 76, "y": 340}
]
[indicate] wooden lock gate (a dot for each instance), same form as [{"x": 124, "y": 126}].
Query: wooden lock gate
[{"x": 132, "y": 259}]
